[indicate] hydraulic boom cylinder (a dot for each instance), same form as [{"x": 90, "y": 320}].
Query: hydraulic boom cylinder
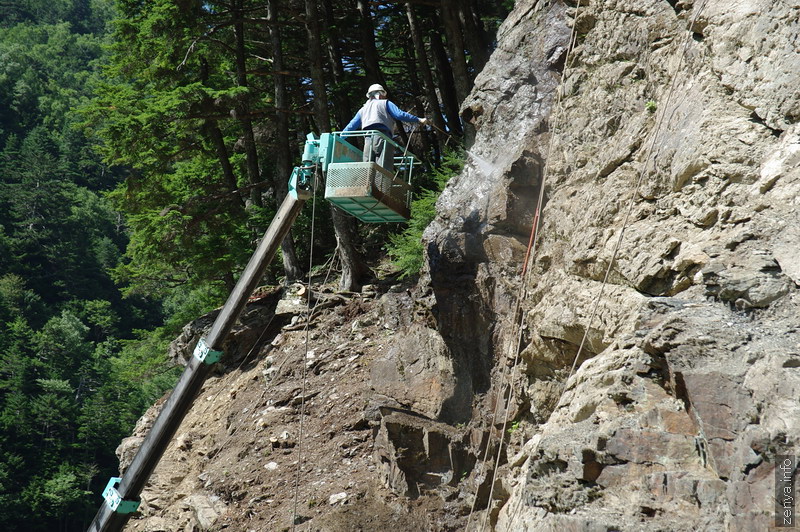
[{"x": 132, "y": 483}]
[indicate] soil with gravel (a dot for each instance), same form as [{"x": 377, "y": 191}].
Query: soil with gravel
[{"x": 282, "y": 438}]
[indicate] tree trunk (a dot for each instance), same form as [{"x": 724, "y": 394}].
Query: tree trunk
[
  {"x": 341, "y": 103},
  {"x": 371, "y": 64},
  {"x": 283, "y": 160},
  {"x": 320, "y": 102},
  {"x": 475, "y": 36},
  {"x": 447, "y": 85},
  {"x": 353, "y": 268},
  {"x": 455, "y": 44},
  {"x": 243, "y": 108},
  {"x": 355, "y": 272},
  {"x": 419, "y": 107},
  {"x": 212, "y": 132},
  {"x": 218, "y": 141},
  {"x": 435, "y": 110}
]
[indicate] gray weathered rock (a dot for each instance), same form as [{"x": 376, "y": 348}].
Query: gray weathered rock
[
  {"x": 416, "y": 371},
  {"x": 206, "y": 509},
  {"x": 668, "y": 254},
  {"x": 676, "y": 160}
]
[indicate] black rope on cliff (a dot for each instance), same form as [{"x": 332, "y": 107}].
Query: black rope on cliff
[
  {"x": 518, "y": 315},
  {"x": 659, "y": 121}
]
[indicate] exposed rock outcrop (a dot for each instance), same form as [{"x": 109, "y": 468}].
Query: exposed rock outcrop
[
  {"x": 666, "y": 143},
  {"x": 673, "y": 158}
]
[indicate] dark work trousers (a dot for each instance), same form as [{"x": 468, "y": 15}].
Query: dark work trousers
[{"x": 377, "y": 149}]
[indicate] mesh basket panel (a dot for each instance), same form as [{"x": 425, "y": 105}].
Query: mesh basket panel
[
  {"x": 357, "y": 187},
  {"x": 348, "y": 175}
]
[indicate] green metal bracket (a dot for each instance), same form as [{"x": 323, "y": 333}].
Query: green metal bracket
[
  {"x": 205, "y": 354},
  {"x": 300, "y": 183},
  {"x": 311, "y": 150},
  {"x": 114, "y": 499}
]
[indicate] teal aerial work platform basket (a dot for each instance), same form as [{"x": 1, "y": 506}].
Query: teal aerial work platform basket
[{"x": 367, "y": 190}]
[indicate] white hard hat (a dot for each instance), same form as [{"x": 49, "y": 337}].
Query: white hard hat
[{"x": 375, "y": 87}]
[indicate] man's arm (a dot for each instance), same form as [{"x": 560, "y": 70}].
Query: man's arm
[
  {"x": 355, "y": 123},
  {"x": 398, "y": 114}
]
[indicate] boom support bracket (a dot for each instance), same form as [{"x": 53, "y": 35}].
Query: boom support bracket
[
  {"x": 114, "y": 499},
  {"x": 205, "y": 354}
]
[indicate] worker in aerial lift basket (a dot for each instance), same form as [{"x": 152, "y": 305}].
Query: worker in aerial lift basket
[{"x": 378, "y": 113}]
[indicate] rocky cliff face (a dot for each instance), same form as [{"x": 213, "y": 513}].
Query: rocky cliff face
[
  {"x": 665, "y": 269},
  {"x": 673, "y": 166}
]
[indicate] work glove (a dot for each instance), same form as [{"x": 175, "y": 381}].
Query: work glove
[{"x": 423, "y": 121}]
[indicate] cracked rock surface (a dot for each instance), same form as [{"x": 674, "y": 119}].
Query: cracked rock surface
[
  {"x": 666, "y": 271},
  {"x": 667, "y": 254}
]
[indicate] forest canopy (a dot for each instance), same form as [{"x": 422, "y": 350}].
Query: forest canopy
[{"x": 144, "y": 146}]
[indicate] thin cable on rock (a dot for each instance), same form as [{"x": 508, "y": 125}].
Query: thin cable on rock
[
  {"x": 517, "y": 315},
  {"x": 631, "y": 201},
  {"x": 659, "y": 121}
]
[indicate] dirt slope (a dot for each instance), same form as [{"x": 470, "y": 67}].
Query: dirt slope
[
  {"x": 676, "y": 169},
  {"x": 234, "y": 462}
]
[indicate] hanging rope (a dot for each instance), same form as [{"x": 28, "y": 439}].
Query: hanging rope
[
  {"x": 659, "y": 120},
  {"x": 310, "y": 310},
  {"x": 521, "y": 294},
  {"x": 305, "y": 355}
]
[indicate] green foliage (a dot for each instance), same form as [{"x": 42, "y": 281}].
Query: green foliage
[
  {"x": 63, "y": 405},
  {"x": 186, "y": 222},
  {"x": 16, "y": 299},
  {"x": 57, "y": 495},
  {"x": 128, "y": 203},
  {"x": 405, "y": 248},
  {"x": 142, "y": 361},
  {"x": 51, "y": 223},
  {"x": 99, "y": 315},
  {"x": 508, "y": 5},
  {"x": 651, "y": 106},
  {"x": 44, "y": 71},
  {"x": 186, "y": 304}
]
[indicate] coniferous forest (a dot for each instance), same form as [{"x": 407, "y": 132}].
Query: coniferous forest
[{"x": 144, "y": 147}]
